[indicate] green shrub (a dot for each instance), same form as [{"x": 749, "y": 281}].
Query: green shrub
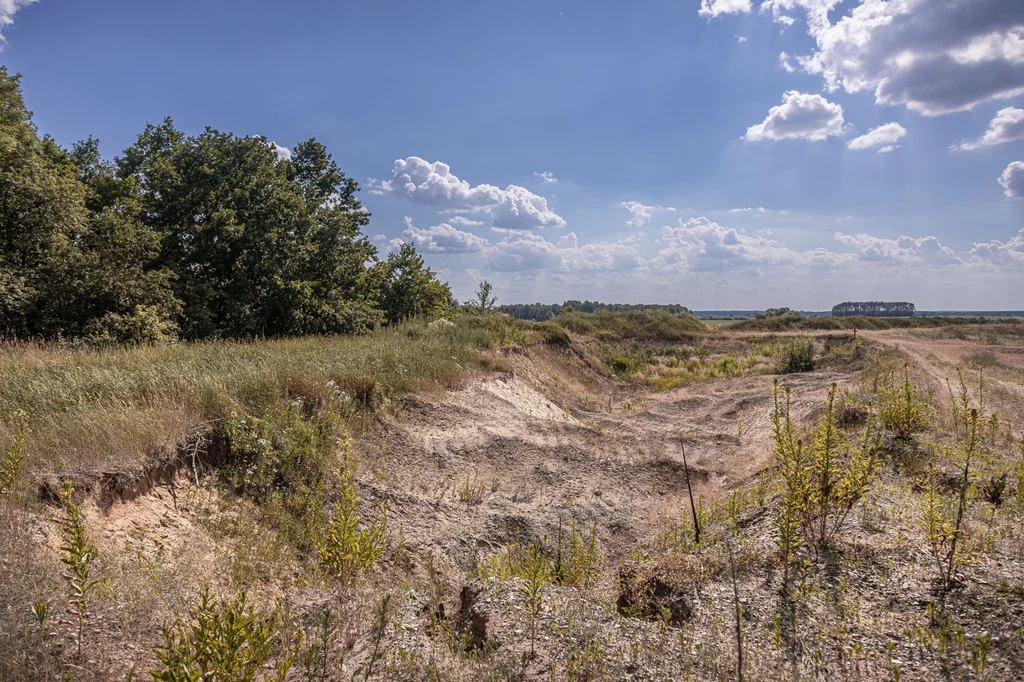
[
  {"x": 796, "y": 355},
  {"x": 344, "y": 549},
  {"x": 14, "y": 457},
  {"x": 280, "y": 461},
  {"x": 903, "y": 411},
  {"x": 144, "y": 325},
  {"x": 551, "y": 333},
  {"x": 221, "y": 640}
]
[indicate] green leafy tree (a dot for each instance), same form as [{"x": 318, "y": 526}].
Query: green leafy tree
[
  {"x": 484, "y": 302},
  {"x": 41, "y": 208},
  {"x": 411, "y": 289}
]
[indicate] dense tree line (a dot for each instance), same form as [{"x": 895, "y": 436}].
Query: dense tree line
[
  {"x": 539, "y": 312},
  {"x": 874, "y": 309},
  {"x": 193, "y": 237}
]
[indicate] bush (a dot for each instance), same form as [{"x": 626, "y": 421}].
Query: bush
[
  {"x": 142, "y": 326},
  {"x": 903, "y": 411},
  {"x": 222, "y": 640},
  {"x": 796, "y": 355}
]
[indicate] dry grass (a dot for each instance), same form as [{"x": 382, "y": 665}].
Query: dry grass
[{"x": 109, "y": 409}]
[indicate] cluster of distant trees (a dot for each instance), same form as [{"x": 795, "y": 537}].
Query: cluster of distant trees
[
  {"x": 775, "y": 312},
  {"x": 539, "y": 312},
  {"x": 191, "y": 237},
  {"x": 874, "y": 309}
]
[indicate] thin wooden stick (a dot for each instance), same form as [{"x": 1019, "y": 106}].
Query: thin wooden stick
[{"x": 689, "y": 490}]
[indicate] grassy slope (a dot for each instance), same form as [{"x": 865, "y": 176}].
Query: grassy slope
[{"x": 110, "y": 409}]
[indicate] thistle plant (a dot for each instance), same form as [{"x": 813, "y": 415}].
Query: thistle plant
[{"x": 77, "y": 554}]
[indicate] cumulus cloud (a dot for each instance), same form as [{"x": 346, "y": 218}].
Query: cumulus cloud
[
  {"x": 443, "y": 238},
  {"x": 882, "y": 136},
  {"x": 1012, "y": 180},
  {"x": 464, "y": 221},
  {"x": 283, "y": 153},
  {"x": 800, "y": 116},
  {"x": 641, "y": 213},
  {"x": 713, "y": 8},
  {"x": 932, "y": 56},
  {"x": 701, "y": 245},
  {"x": 548, "y": 177},
  {"x": 388, "y": 245},
  {"x": 434, "y": 185},
  {"x": 899, "y": 251},
  {"x": 741, "y": 39},
  {"x": 784, "y": 63},
  {"x": 8, "y": 8},
  {"x": 888, "y": 148},
  {"x": 996, "y": 252},
  {"x": 1006, "y": 126},
  {"x": 533, "y": 252}
]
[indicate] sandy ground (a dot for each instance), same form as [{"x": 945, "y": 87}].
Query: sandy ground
[{"x": 509, "y": 457}]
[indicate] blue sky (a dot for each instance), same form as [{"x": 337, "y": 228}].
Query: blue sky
[{"x": 714, "y": 153}]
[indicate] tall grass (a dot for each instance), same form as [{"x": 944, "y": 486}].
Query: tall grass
[{"x": 111, "y": 408}]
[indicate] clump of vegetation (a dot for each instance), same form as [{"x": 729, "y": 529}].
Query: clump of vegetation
[
  {"x": 902, "y": 411},
  {"x": 650, "y": 324},
  {"x": 14, "y": 457},
  {"x": 110, "y": 408},
  {"x": 578, "y": 559},
  {"x": 223, "y": 639},
  {"x": 822, "y": 481},
  {"x": 280, "y": 461},
  {"x": 344, "y": 549},
  {"x": 78, "y": 555},
  {"x": 944, "y": 527},
  {"x": 796, "y": 355}
]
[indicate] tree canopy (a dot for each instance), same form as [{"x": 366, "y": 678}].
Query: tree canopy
[{"x": 195, "y": 237}]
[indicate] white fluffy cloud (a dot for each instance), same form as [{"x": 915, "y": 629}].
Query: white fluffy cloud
[
  {"x": 900, "y": 251},
  {"x": 932, "y": 56},
  {"x": 435, "y": 186},
  {"x": 712, "y": 8},
  {"x": 533, "y": 252},
  {"x": 701, "y": 245},
  {"x": 283, "y": 153},
  {"x": 800, "y": 116},
  {"x": 641, "y": 213},
  {"x": 1012, "y": 180},
  {"x": 997, "y": 253},
  {"x": 884, "y": 136},
  {"x": 8, "y": 8},
  {"x": 443, "y": 238},
  {"x": 464, "y": 221},
  {"x": 784, "y": 63},
  {"x": 548, "y": 177},
  {"x": 1006, "y": 126}
]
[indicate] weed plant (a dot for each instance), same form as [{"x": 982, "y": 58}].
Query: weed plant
[
  {"x": 78, "y": 555},
  {"x": 223, "y": 639}
]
